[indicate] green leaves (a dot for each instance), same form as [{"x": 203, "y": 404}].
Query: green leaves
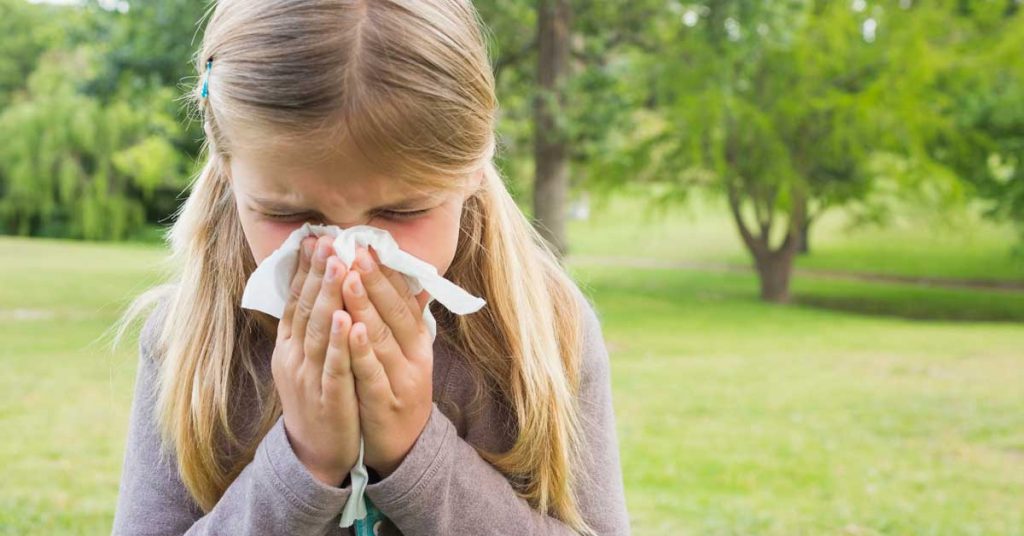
[{"x": 75, "y": 167}]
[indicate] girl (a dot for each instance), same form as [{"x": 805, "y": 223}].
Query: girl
[{"x": 349, "y": 112}]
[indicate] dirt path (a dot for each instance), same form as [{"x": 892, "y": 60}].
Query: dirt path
[{"x": 935, "y": 282}]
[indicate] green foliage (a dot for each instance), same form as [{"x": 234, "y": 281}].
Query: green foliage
[
  {"x": 983, "y": 140},
  {"x": 75, "y": 167},
  {"x": 779, "y": 101},
  {"x": 19, "y": 49},
  {"x": 768, "y": 98},
  {"x": 795, "y": 108}
]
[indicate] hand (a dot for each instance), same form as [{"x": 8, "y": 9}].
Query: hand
[
  {"x": 392, "y": 360},
  {"x": 311, "y": 366}
]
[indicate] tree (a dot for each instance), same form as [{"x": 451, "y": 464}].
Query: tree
[
  {"x": 551, "y": 158},
  {"x": 558, "y": 121},
  {"x": 779, "y": 106},
  {"x": 74, "y": 167},
  {"x": 981, "y": 137}
]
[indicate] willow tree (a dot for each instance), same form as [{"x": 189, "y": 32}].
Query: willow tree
[{"x": 73, "y": 167}]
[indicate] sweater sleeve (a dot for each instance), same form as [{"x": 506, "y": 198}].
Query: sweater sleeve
[
  {"x": 274, "y": 494},
  {"x": 444, "y": 486}
]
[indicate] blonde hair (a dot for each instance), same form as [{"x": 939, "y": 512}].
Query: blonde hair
[{"x": 411, "y": 83}]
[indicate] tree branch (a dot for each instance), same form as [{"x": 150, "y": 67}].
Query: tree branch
[{"x": 755, "y": 246}]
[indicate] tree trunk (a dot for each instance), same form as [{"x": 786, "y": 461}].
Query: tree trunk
[
  {"x": 774, "y": 270},
  {"x": 805, "y": 237},
  {"x": 774, "y": 265},
  {"x": 551, "y": 150}
]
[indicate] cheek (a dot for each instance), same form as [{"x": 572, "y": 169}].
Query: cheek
[
  {"x": 432, "y": 239},
  {"x": 265, "y": 236}
]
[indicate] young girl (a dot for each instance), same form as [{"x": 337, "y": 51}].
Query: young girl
[{"x": 378, "y": 112}]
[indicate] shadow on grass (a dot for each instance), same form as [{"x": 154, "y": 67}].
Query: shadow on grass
[
  {"x": 700, "y": 292},
  {"x": 911, "y": 302}
]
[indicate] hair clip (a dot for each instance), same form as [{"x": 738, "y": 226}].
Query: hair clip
[{"x": 206, "y": 79}]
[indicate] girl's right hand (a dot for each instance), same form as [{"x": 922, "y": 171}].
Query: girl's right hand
[{"x": 311, "y": 367}]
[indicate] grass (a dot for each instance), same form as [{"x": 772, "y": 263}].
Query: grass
[
  {"x": 64, "y": 398},
  {"x": 862, "y": 408},
  {"x": 737, "y": 417}
]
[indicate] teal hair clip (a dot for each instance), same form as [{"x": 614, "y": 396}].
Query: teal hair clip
[{"x": 206, "y": 79}]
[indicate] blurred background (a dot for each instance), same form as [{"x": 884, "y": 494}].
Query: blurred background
[{"x": 801, "y": 223}]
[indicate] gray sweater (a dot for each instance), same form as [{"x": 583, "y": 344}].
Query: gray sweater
[{"x": 442, "y": 487}]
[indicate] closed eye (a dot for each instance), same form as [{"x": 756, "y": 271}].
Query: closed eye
[
  {"x": 403, "y": 215},
  {"x": 389, "y": 214}
]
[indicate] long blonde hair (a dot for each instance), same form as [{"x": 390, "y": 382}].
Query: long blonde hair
[{"x": 411, "y": 83}]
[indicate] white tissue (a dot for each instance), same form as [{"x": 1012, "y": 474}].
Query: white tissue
[{"x": 269, "y": 285}]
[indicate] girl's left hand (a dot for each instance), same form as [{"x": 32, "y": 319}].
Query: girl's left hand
[{"x": 392, "y": 360}]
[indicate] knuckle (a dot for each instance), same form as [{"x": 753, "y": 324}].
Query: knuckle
[
  {"x": 281, "y": 363},
  {"x": 304, "y": 308},
  {"x": 314, "y": 336},
  {"x": 337, "y": 369},
  {"x": 402, "y": 288},
  {"x": 380, "y": 334},
  {"x": 397, "y": 309},
  {"x": 395, "y": 405}
]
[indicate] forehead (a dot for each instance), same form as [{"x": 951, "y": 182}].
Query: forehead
[{"x": 302, "y": 177}]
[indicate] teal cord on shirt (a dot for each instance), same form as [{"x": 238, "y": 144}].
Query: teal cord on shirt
[{"x": 365, "y": 526}]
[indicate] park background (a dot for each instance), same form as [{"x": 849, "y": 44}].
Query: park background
[{"x": 800, "y": 222}]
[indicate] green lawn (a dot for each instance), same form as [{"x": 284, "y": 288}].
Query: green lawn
[
  {"x": 64, "y": 398},
  {"x": 735, "y": 417}
]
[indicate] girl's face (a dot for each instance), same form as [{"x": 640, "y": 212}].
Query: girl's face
[{"x": 278, "y": 190}]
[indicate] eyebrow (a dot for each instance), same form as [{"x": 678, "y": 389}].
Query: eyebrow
[{"x": 285, "y": 206}]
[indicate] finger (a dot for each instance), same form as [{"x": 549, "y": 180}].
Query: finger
[
  {"x": 405, "y": 325},
  {"x": 284, "y": 325},
  {"x": 311, "y": 287},
  {"x": 416, "y": 301},
  {"x": 318, "y": 329},
  {"x": 421, "y": 300},
  {"x": 385, "y": 347},
  {"x": 337, "y": 380},
  {"x": 372, "y": 386},
  {"x": 401, "y": 284}
]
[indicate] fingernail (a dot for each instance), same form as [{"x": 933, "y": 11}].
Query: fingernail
[
  {"x": 321, "y": 251},
  {"x": 361, "y": 336},
  {"x": 332, "y": 269},
  {"x": 336, "y": 323},
  {"x": 357, "y": 286},
  {"x": 307, "y": 248}
]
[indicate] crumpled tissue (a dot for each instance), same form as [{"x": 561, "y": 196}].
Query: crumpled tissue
[{"x": 268, "y": 287}]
